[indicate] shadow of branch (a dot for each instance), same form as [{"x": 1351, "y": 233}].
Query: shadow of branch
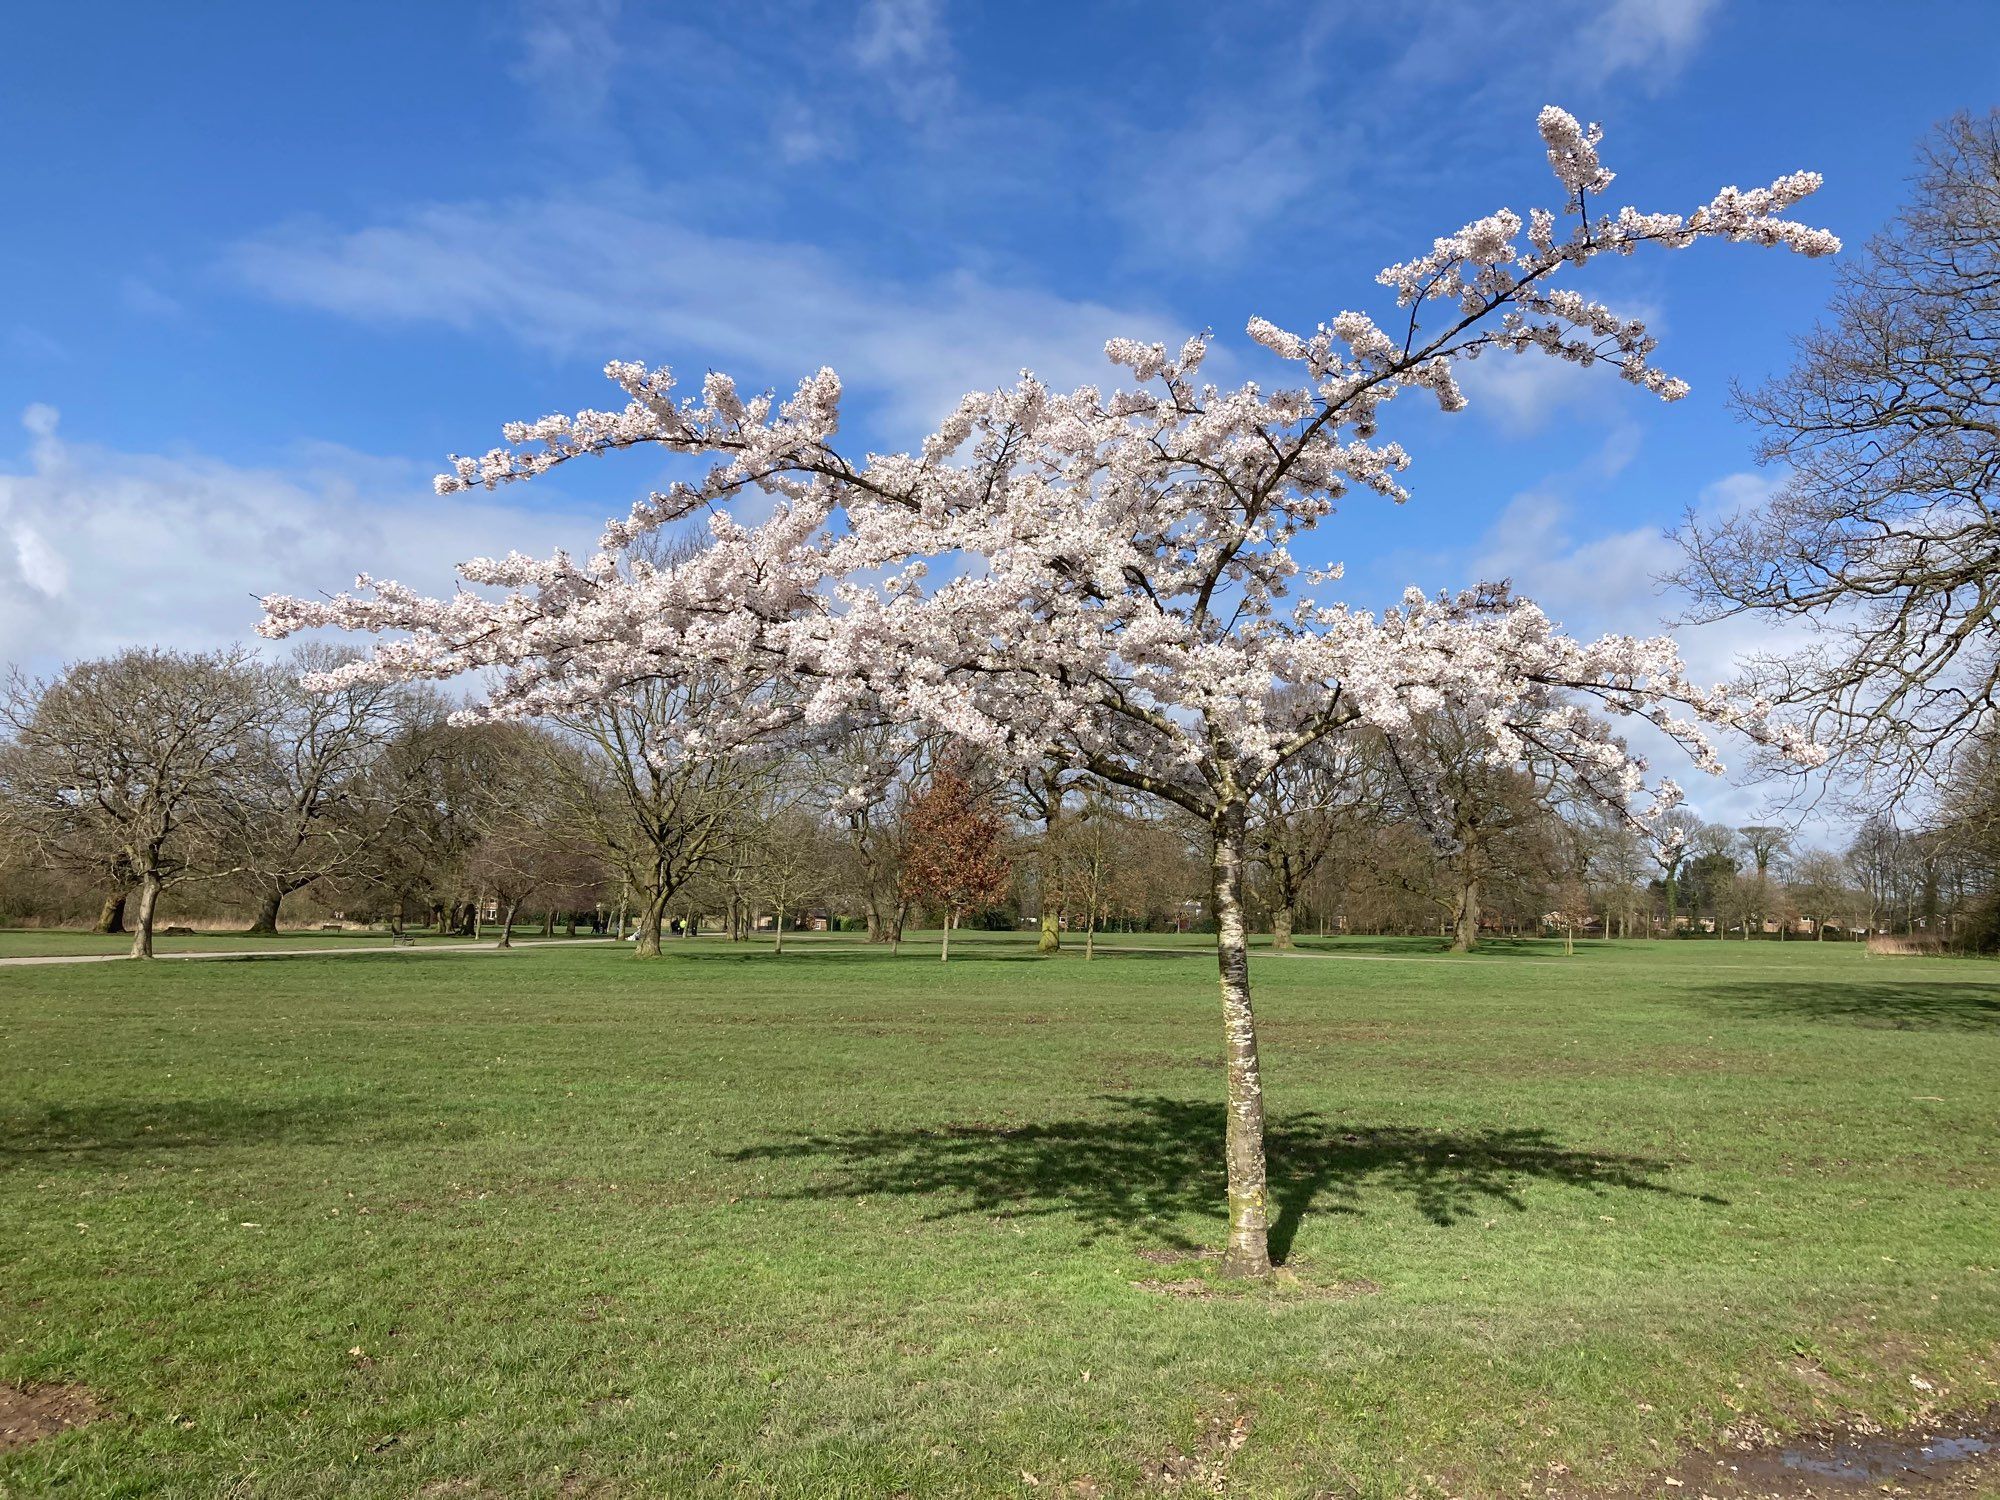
[{"x": 1156, "y": 1161}]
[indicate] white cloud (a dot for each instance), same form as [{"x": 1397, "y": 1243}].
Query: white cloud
[
  {"x": 1521, "y": 392},
  {"x": 109, "y": 549},
  {"x": 605, "y": 279},
  {"x": 1651, "y": 38},
  {"x": 1594, "y": 43},
  {"x": 1607, "y": 582}
]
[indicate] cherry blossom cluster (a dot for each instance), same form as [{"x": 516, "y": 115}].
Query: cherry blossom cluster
[{"x": 1107, "y": 577}]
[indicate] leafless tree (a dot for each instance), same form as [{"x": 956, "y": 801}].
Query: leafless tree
[
  {"x": 120, "y": 765},
  {"x": 656, "y": 811},
  {"x": 1302, "y": 811},
  {"x": 1885, "y": 535},
  {"x": 306, "y": 806}
]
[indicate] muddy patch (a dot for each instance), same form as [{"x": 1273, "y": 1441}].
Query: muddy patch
[
  {"x": 29, "y": 1413},
  {"x": 1942, "y": 1458}
]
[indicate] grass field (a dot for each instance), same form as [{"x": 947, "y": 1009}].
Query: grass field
[
  {"x": 837, "y": 1224},
  {"x": 62, "y": 942}
]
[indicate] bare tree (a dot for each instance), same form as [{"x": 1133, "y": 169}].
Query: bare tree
[
  {"x": 793, "y": 860},
  {"x": 872, "y": 776},
  {"x": 307, "y": 806},
  {"x": 1300, "y": 813},
  {"x": 1486, "y": 818},
  {"x": 528, "y": 843},
  {"x": 1885, "y": 536},
  {"x": 1041, "y": 793},
  {"x": 654, "y": 804},
  {"x": 119, "y": 765},
  {"x": 1821, "y": 889}
]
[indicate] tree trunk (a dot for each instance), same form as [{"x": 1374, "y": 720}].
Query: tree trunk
[
  {"x": 111, "y": 916},
  {"x": 944, "y": 947},
  {"x": 1051, "y": 936},
  {"x": 652, "y": 913},
  {"x": 871, "y": 920},
  {"x": 1465, "y": 920},
  {"x": 778, "y": 943},
  {"x": 149, "y": 902},
  {"x": 507, "y": 925},
  {"x": 1281, "y": 926},
  {"x": 267, "y": 913},
  {"x": 1249, "y": 1250}
]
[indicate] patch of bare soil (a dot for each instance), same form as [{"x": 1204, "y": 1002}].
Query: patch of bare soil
[
  {"x": 1944, "y": 1459},
  {"x": 1204, "y": 1471},
  {"x": 29, "y": 1413},
  {"x": 1288, "y": 1283}
]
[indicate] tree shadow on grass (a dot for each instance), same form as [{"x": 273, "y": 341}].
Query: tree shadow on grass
[
  {"x": 1496, "y": 948},
  {"x": 98, "y": 1133},
  {"x": 1160, "y": 1159},
  {"x": 1900, "y": 1006}
]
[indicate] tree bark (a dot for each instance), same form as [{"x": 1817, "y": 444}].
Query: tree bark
[
  {"x": 944, "y": 947},
  {"x": 149, "y": 902},
  {"x": 267, "y": 913},
  {"x": 1051, "y": 939},
  {"x": 1282, "y": 918},
  {"x": 652, "y": 914},
  {"x": 1465, "y": 920},
  {"x": 1249, "y": 1249},
  {"x": 111, "y": 916},
  {"x": 507, "y": 926}
]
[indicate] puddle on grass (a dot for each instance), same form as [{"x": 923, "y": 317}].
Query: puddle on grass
[
  {"x": 1873, "y": 1463},
  {"x": 1951, "y": 1458}
]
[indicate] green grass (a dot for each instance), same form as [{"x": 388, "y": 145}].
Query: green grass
[
  {"x": 57, "y": 942},
  {"x": 835, "y": 1224}
]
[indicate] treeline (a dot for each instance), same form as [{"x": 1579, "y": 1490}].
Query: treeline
[{"x": 155, "y": 786}]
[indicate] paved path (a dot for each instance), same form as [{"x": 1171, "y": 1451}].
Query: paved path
[{"x": 427, "y": 950}]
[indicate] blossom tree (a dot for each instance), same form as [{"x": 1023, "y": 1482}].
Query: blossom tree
[{"x": 1105, "y": 577}]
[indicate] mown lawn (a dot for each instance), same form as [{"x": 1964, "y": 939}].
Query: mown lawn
[
  {"x": 62, "y": 942},
  {"x": 836, "y": 1224}
]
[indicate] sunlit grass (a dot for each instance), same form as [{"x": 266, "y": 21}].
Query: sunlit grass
[{"x": 834, "y": 1223}]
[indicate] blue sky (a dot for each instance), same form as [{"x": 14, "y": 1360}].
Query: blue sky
[{"x": 269, "y": 264}]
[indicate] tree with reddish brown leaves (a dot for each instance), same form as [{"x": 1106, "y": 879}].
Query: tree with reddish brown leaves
[{"x": 953, "y": 848}]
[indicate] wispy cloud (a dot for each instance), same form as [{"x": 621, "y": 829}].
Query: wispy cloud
[
  {"x": 1597, "y": 581},
  {"x": 568, "y": 54},
  {"x": 100, "y": 548},
  {"x": 1205, "y": 192},
  {"x": 1649, "y": 39},
  {"x": 1581, "y": 44},
  {"x": 627, "y": 280}
]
